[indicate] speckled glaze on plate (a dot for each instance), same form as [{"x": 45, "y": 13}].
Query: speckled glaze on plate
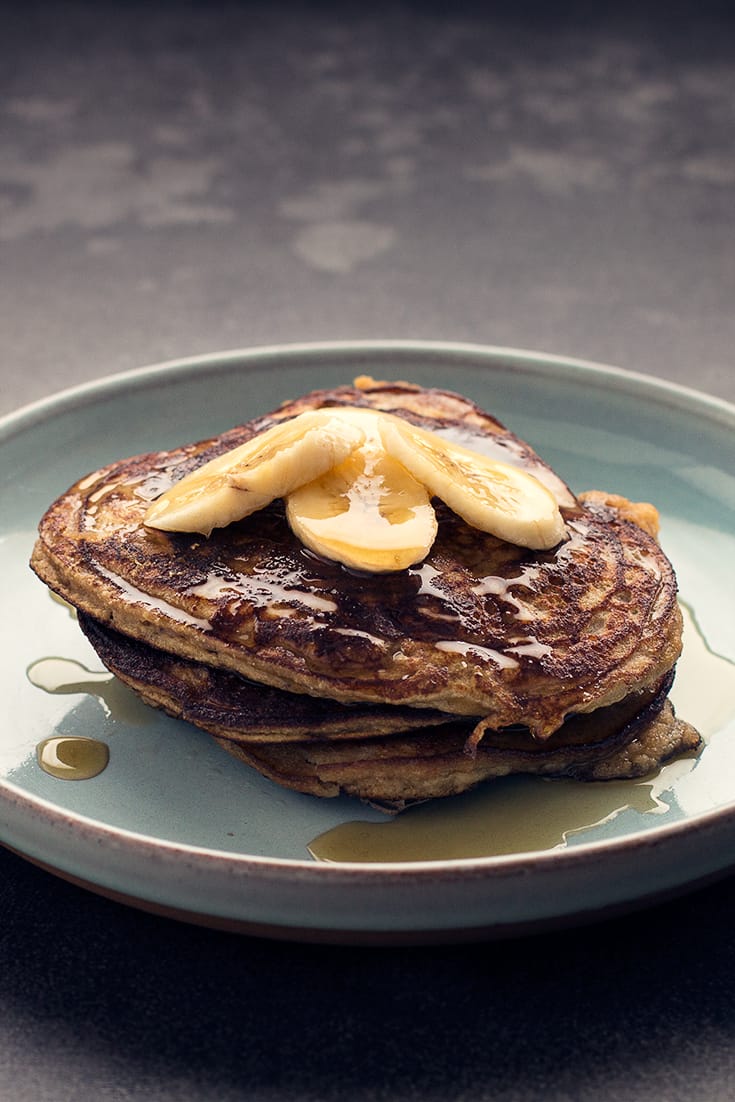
[{"x": 176, "y": 826}]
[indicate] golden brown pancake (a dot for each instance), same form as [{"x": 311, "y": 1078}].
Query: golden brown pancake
[
  {"x": 396, "y": 770},
  {"x": 480, "y": 628},
  {"x": 226, "y": 704},
  {"x": 388, "y": 755}
]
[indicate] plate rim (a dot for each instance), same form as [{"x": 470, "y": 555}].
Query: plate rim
[
  {"x": 643, "y": 840},
  {"x": 660, "y": 391},
  {"x": 669, "y": 391}
]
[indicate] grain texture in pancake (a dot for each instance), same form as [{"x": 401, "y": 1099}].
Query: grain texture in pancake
[
  {"x": 389, "y": 755},
  {"x": 226, "y": 704},
  {"x": 399, "y": 770},
  {"x": 479, "y": 628}
]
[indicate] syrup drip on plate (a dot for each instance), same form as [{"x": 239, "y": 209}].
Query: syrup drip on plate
[
  {"x": 67, "y": 677},
  {"x": 515, "y": 815},
  {"x": 72, "y": 757},
  {"x": 64, "y": 604},
  {"x": 76, "y": 757},
  {"x": 64, "y": 675}
]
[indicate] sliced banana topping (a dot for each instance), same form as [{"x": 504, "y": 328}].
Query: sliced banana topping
[
  {"x": 368, "y": 512},
  {"x": 491, "y": 496},
  {"x": 358, "y": 485},
  {"x": 248, "y": 478}
]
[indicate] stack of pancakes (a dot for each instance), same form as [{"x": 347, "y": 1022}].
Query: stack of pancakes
[{"x": 482, "y": 660}]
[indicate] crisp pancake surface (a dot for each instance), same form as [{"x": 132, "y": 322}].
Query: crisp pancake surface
[
  {"x": 226, "y": 704},
  {"x": 479, "y": 628},
  {"x": 396, "y": 770},
  {"x": 385, "y": 754}
]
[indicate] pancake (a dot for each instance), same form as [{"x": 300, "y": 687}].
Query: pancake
[
  {"x": 226, "y": 704},
  {"x": 396, "y": 771},
  {"x": 389, "y": 756},
  {"x": 479, "y": 628}
]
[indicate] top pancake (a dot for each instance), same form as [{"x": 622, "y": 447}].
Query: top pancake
[{"x": 480, "y": 627}]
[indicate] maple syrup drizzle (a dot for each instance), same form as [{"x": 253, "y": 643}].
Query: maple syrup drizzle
[
  {"x": 72, "y": 757},
  {"x": 67, "y": 677}
]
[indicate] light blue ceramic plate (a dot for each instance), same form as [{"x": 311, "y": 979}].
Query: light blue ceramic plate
[{"x": 174, "y": 824}]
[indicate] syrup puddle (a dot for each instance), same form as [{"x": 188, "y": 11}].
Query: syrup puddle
[
  {"x": 72, "y": 612},
  {"x": 72, "y": 757},
  {"x": 523, "y": 814},
  {"x": 507, "y": 816},
  {"x": 76, "y": 757},
  {"x": 65, "y": 676}
]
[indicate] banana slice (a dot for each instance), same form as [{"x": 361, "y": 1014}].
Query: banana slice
[
  {"x": 491, "y": 496},
  {"x": 368, "y": 512},
  {"x": 358, "y": 485},
  {"x": 248, "y": 478}
]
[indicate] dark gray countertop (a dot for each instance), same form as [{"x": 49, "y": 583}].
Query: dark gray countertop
[{"x": 183, "y": 178}]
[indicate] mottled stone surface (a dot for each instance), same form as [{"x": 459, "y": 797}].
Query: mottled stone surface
[
  {"x": 184, "y": 177},
  {"x": 179, "y": 179}
]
